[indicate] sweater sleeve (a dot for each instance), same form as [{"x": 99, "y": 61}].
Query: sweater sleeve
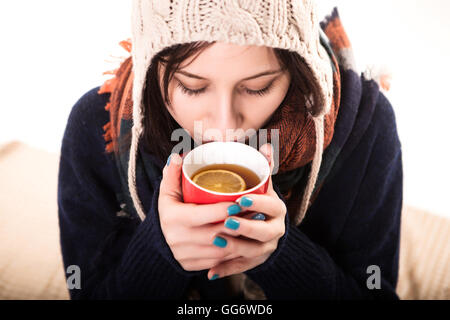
[
  {"x": 367, "y": 246},
  {"x": 119, "y": 258}
]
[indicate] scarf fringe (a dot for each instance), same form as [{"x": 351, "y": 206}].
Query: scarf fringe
[
  {"x": 108, "y": 87},
  {"x": 126, "y": 44}
]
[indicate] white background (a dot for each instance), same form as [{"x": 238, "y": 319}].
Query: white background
[{"x": 54, "y": 51}]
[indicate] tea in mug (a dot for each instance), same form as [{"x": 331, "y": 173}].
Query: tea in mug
[{"x": 225, "y": 178}]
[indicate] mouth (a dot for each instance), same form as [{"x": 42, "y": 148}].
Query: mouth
[{"x": 233, "y": 140}]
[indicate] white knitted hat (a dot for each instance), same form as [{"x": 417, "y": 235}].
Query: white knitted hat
[{"x": 284, "y": 24}]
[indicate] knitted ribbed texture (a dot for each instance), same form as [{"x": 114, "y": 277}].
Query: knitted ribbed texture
[
  {"x": 148, "y": 257},
  {"x": 299, "y": 253},
  {"x": 143, "y": 262},
  {"x": 117, "y": 257}
]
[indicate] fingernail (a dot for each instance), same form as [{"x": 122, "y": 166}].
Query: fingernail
[
  {"x": 232, "y": 224},
  {"x": 233, "y": 209},
  {"x": 259, "y": 216},
  {"x": 246, "y": 202},
  {"x": 214, "y": 277},
  {"x": 168, "y": 160},
  {"x": 220, "y": 242}
]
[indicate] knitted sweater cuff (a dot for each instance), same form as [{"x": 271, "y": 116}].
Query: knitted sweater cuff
[
  {"x": 295, "y": 252},
  {"x": 299, "y": 266},
  {"x": 149, "y": 259},
  {"x": 151, "y": 235}
]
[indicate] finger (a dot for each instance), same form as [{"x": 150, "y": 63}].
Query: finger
[
  {"x": 186, "y": 252},
  {"x": 270, "y": 205},
  {"x": 231, "y": 256},
  {"x": 253, "y": 215},
  {"x": 201, "y": 214},
  {"x": 244, "y": 247},
  {"x": 199, "y": 264},
  {"x": 267, "y": 151},
  {"x": 203, "y": 264},
  {"x": 234, "y": 266},
  {"x": 203, "y": 235},
  {"x": 170, "y": 187},
  {"x": 263, "y": 231}
]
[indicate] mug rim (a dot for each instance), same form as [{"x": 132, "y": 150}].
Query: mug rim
[{"x": 259, "y": 185}]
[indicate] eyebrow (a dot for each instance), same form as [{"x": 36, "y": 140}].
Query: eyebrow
[{"x": 265, "y": 73}]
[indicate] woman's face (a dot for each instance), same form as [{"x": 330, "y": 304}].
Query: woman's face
[{"x": 225, "y": 87}]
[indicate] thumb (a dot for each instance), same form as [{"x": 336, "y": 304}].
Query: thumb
[
  {"x": 171, "y": 181},
  {"x": 267, "y": 151}
]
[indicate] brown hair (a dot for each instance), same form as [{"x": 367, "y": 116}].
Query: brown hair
[{"x": 159, "y": 123}]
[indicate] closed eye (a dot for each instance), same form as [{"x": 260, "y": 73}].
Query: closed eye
[
  {"x": 192, "y": 92},
  {"x": 261, "y": 92}
]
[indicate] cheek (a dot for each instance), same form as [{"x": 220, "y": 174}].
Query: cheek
[
  {"x": 275, "y": 100},
  {"x": 259, "y": 110},
  {"x": 184, "y": 112}
]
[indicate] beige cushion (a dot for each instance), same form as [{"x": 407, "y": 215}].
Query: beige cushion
[
  {"x": 424, "y": 256},
  {"x": 30, "y": 259}
]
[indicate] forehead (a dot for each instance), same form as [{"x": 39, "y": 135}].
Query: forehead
[{"x": 227, "y": 60}]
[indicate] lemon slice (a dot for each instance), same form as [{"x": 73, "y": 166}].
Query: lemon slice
[{"x": 219, "y": 180}]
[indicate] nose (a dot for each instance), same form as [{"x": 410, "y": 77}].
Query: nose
[{"x": 225, "y": 116}]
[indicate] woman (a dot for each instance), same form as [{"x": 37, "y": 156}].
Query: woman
[{"x": 329, "y": 225}]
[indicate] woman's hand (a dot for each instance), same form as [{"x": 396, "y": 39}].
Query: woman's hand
[
  {"x": 197, "y": 242},
  {"x": 252, "y": 240},
  {"x": 190, "y": 229}
]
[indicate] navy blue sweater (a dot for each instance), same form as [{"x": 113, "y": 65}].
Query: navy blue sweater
[{"x": 353, "y": 224}]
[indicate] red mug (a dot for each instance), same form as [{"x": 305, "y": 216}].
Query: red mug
[{"x": 222, "y": 153}]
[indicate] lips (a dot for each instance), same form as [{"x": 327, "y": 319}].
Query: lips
[{"x": 233, "y": 140}]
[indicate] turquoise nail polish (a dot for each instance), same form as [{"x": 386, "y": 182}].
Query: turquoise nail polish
[
  {"x": 214, "y": 277},
  {"x": 259, "y": 216},
  {"x": 233, "y": 209},
  {"x": 232, "y": 224},
  {"x": 168, "y": 160},
  {"x": 220, "y": 242},
  {"x": 246, "y": 202}
]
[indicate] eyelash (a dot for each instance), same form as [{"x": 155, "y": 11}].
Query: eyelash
[{"x": 190, "y": 92}]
